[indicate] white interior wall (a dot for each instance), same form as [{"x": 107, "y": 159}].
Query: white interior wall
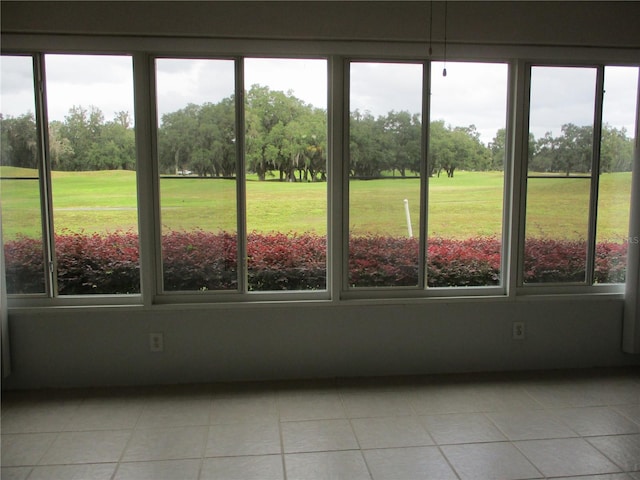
[
  {"x": 598, "y": 23},
  {"x": 109, "y": 346}
]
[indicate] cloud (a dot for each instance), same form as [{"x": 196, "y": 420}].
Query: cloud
[
  {"x": 471, "y": 93},
  {"x": 620, "y": 97},
  {"x": 104, "y": 81},
  {"x": 379, "y": 88},
  {"x": 183, "y": 81},
  {"x": 307, "y": 78},
  {"x": 16, "y": 85}
]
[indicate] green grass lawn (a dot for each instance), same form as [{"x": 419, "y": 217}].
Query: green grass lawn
[{"x": 470, "y": 204}]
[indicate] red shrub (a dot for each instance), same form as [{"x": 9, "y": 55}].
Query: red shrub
[
  {"x": 24, "y": 265},
  {"x": 199, "y": 260},
  {"x": 107, "y": 264}
]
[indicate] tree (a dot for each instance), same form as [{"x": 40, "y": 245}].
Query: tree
[
  {"x": 616, "y": 150},
  {"x": 568, "y": 153},
  {"x": 60, "y": 149},
  {"x": 403, "y": 132},
  {"x": 271, "y": 143},
  {"x": 575, "y": 149},
  {"x": 82, "y": 128},
  {"x": 497, "y": 147},
  {"x": 19, "y": 147},
  {"x": 177, "y": 138},
  {"x": 368, "y": 152}
]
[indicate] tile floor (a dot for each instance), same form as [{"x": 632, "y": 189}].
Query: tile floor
[{"x": 571, "y": 424}]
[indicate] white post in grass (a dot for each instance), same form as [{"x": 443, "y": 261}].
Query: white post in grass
[{"x": 406, "y": 213}]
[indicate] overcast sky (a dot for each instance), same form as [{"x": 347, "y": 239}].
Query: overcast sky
[{"x": 469, "y": 94}]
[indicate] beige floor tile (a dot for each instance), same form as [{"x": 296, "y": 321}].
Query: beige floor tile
[
  {"x": 572, "y": 424},
  {"x": 175, "y": 412},
  {"x": 415, "y": 463},
  {"x": 632, "y": 412},
  {"x": 486, "y": 461},
  {"x": 318, "y": 435},
  {"x": 243, "y": 439},
  {"x": 384, "y": 432},
  {"x": 25, "y": 448},
  {"x": 440, "y": 399},
  {"x": 244, "y": 407},
  {"x": 171, "y": 443},
  {"x": 159, "y": 470},
  {"x": 39, "y": 417},
  {"x": 462, "y": 428},
  {"x": 624, "y": 450},
  {"x": 565, "y": 457},
  {"x": 108, "y": 414},
  {"x": 310, "y": 406},
  {"x": 376, "y": 403},
  {"x": 530, "y": 425},
  {"x": 100, "y": 471},
  {"x": 581, "y": 390},
  {"x": 327, "y": 466},
  {"x": 591, "y": 421},
  {"x": 87, "y": 447},
  {"x": 15, "y": 473},
  {"x": 267, "y": 467},
  {"x": 606, "y": 476}
]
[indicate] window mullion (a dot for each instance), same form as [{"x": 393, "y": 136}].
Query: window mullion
[
  {"x": 517, "y": 149},
  {"x": 595, "y": 177},
  {"x": 424, "y": 175},
  {"x": 521, "y": 156},
  {"x": 241, "y": 200},
  {"x": 337, "y": 268},
  {"x": 346, "y": 160},
  {"x": 146, "y": 177},
  {"x": 51, "y": 280}
]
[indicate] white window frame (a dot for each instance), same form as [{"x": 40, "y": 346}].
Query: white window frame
[
  {"x": 564, "y": 288},
  {"x": 145, "y": 49}
]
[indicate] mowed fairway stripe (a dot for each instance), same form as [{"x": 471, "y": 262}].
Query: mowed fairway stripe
[{"x": 470, "y": 204}]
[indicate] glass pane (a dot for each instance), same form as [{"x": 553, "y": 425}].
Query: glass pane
[
  {"x": 616, "y": 161},
  {"x": 557, "y": 219},
  {"x": 93, "y": 162},
  {"x": 384, "y": 174},
  {"x": 197, "y": 163},
  {"x": 286, "y": 165},
  {"x": 19, "y": 179},
  {"x": 466, "y": 167},
  {"x": 559, "y": 174}
]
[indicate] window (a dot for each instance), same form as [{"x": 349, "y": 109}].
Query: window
[
  {"x": 20, "y": 179},
  {"x": 385, "y": 167},
  {"x": 579, "y": 174},
  {"x": 465, "y": 170},
  {"x": 197, "y": 166},
  {"x": 93, "y": 173},
  {"x": 466, "y": 174},
  {"x": 274, "y": 206},
  {"x": 559, "y": 173},
  {"x": 88, "y": 202},
  {"x": 286, "y": 173},
  {"x": 616, "y": 163},
  {"x": 264, "y": 176}
]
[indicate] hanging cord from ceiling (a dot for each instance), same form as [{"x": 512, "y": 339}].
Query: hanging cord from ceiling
[
  {"x": 444, "y": 70},
  {"x": 430, "y": 27}
]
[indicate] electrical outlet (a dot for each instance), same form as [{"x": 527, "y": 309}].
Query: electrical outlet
[
  {"x": 518, "y": 331},
  {"x": 156, "y": 342}
]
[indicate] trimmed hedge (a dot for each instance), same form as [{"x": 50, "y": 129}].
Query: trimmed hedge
[{"x": 95, "y": 264}]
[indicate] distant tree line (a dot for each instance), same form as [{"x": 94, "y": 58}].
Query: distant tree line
[{"x": 287, "y": 138}]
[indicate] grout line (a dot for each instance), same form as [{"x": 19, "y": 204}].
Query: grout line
[{"x": 282, "y": 453}]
